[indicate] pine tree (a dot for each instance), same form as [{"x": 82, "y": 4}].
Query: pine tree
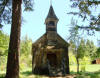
[
  {"x": 91, "y": 50},
  {"x": 13, "y": 52}
]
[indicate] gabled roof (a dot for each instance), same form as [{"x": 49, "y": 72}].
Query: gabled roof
[
  {"x": 43, "y": 41},
  {"x": 51, "y": 13},
  {"x": 62, "y": 41}
]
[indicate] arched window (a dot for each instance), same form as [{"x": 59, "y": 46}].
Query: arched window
[{"x": 51, "y": 23}]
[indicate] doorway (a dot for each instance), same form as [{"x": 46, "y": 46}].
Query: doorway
[{"x": 52, "y": 58}]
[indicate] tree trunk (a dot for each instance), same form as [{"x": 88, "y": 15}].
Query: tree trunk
[
  {"x": 77, "y": 64},
  {"x": 77, "y": 59},
  {"x": 14, "y": 45}
]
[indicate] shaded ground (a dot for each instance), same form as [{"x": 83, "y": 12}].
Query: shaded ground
[
  {"x": 28, "y": 74},
  {"x": 92, "y": 71}
]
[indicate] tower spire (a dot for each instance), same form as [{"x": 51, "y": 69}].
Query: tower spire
[{"x": 51, "y": 14}]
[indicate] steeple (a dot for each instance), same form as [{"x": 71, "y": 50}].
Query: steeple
[
  {"x": 51, "y": 14},
  {"x": 51, "y": 26},
  {"x": 51, "y": 20}
]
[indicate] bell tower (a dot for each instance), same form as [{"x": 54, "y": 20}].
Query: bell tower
[{"x": 51, "y": 26}]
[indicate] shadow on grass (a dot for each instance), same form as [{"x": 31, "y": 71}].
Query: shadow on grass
[
  {"x": 26, "y": 73},
  {"x": 94, "y": 74},
  {"x": 78, "y": 75}
]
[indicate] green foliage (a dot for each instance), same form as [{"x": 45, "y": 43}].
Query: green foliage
[
  {"x": 85, "y": 10},
  {"x": 81, "y": 49},
  {"x": 91, "y": 50},
  {"x": 25, "y": 53},
  {"x": 6, "y": 10},
  {"x": 4, "y": 41},
  {"x": 28, "y": 5},
  {"x": 77, "y": 45},
  {"x": 72, "y": 59},
  {"x": 74, "y": 34},
  {"x": 72, "y": 46},
  {"x": 26, "y": 46},
  {"x": 98, "y": 52},
  {"x": 86, "y": 52}
]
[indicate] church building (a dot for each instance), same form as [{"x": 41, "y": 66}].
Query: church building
[{"x": 50, "y": 51}]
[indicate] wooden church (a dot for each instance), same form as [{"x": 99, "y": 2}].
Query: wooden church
[{"x": 50, "y": 51}]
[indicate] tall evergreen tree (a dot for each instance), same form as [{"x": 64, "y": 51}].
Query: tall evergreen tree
[{"x": 14, "y": 45}]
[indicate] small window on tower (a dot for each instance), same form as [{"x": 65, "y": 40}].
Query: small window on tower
[{"x": 51, "y": 23}]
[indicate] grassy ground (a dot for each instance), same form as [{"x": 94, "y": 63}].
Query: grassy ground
[
  {"x": 87, "y": 68},
  {"x": 90, "y": 71},
  {"x": 87, "y": 71}
]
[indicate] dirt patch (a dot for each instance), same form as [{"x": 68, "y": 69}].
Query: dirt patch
[{"x": 67, "y": 76}]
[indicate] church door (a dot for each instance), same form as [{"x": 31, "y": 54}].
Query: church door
[{"x": 52, "y": 58}]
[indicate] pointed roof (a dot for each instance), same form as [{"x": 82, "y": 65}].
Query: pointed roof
[
  {"x": 51, "y": 13},
  {"x": 43, "y": 41}
]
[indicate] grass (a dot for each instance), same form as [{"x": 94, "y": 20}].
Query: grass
[
  {"x": 91, "y": 71},
  {"x": 88, "y": 68},
  {"x": 2, "y": 74}
]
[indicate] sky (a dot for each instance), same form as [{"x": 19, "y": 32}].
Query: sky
[{"x": 33, "y": 25}]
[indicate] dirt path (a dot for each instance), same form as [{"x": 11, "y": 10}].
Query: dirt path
[{"x": 68, "y": 76}]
